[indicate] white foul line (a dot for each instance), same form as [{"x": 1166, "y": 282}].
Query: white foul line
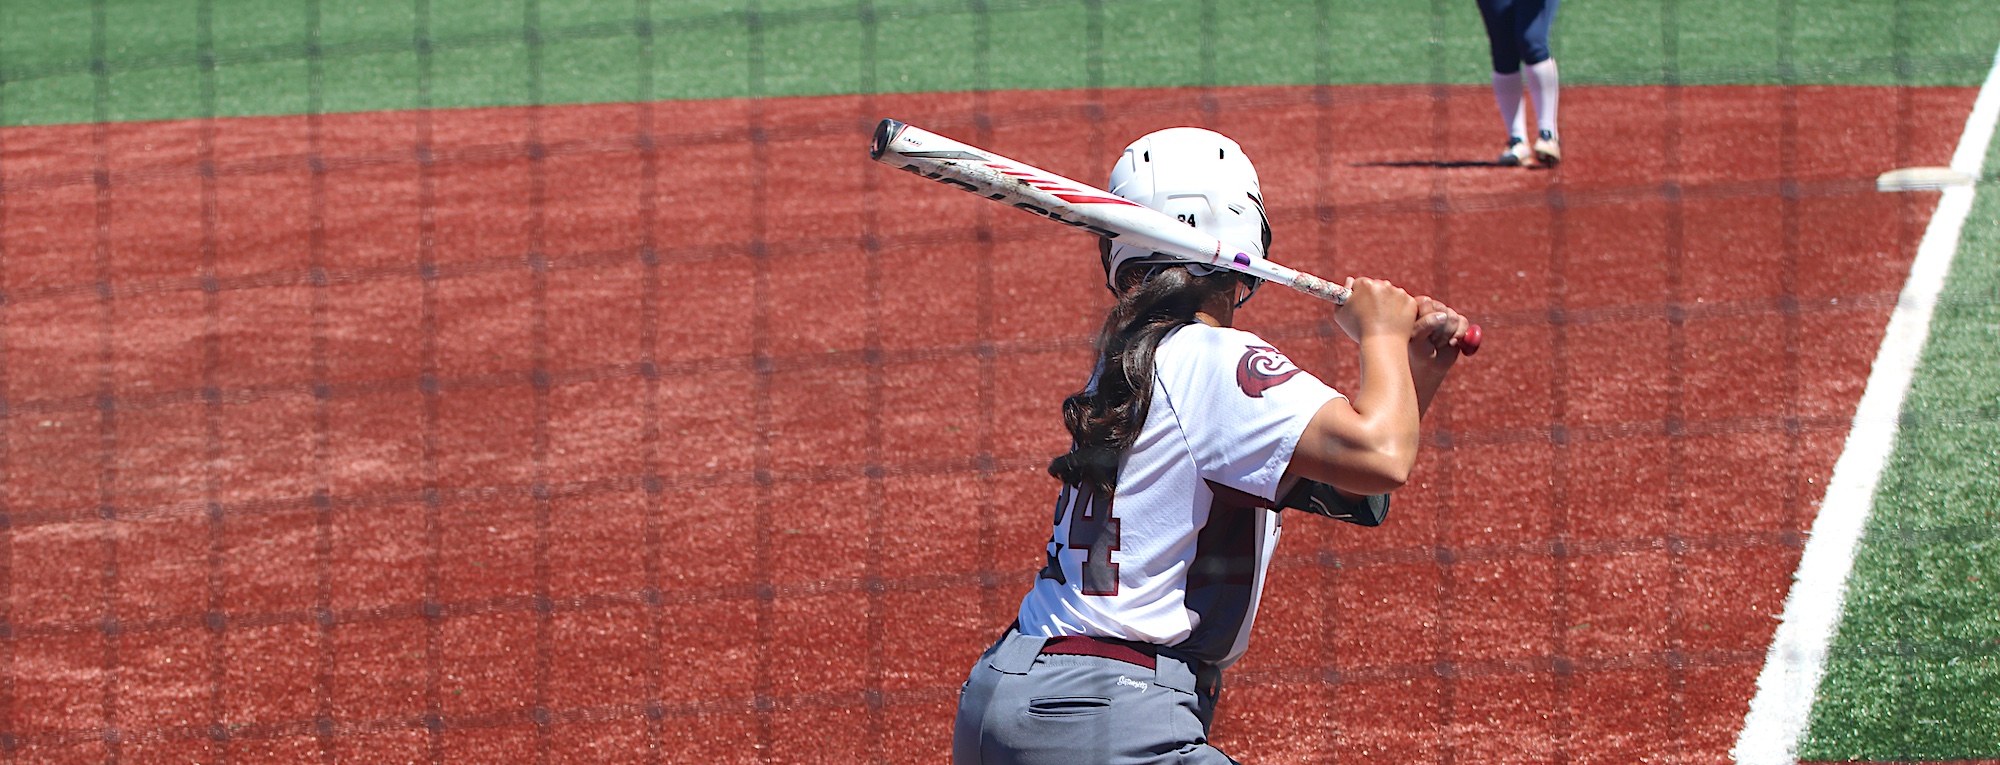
[{"x": 1792, "y": 668}]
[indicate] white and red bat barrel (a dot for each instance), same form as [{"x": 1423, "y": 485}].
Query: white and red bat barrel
[{"x": 1072, "y": 203}]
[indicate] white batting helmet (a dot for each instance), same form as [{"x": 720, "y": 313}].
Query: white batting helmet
[{"x": 1198, "y": 176}]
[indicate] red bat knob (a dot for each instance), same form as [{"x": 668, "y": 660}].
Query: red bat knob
[{"x": 1470, "y": 343}]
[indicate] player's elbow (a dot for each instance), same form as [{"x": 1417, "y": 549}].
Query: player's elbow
[
  {"x": 1397, "y": 473},
  {"x": 1368, "y": 468},
  {"x": 1388, "y": 456},
  {"x": 1379, "y": 472},
  {"x": 1356, "y": 454}
]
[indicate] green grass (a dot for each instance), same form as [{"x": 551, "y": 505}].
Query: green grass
[
  {"x": 1915, "y": 668},
  {"x": 484, "y": 53}
]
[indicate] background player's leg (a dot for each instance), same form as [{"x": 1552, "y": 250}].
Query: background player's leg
[
  {"x": 1507, "y": 95},
  {"x": 1542, "y": 83},
  {"x": 1535, "y": 17},
  {"x": 1502, "y": 39}
]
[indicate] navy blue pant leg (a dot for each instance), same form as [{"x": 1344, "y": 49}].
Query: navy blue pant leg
[{"x": 1517, "y": 31}]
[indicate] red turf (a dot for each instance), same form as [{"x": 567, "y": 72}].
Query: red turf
[{"x": 726, "y": 445}]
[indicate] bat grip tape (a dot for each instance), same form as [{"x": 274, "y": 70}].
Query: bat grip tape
[{"x": 1320, "y": 288}]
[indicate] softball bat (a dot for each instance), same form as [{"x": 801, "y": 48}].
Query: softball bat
[{"x": 1080, "y": 205}]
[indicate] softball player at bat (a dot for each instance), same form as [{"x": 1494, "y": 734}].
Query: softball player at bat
[
  {"x": 1188, "y": 440},
  {"x": 1517, "y": 34}
]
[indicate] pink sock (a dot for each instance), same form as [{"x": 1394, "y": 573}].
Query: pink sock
[
  {"x": 1507, "y": 94},
  {"x": 1543, "y": 88}
]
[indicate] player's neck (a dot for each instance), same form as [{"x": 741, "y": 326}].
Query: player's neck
[{"x": 1205, "y": 318}]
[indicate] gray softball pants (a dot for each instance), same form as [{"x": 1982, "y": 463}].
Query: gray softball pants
[{"x": 1023, "y": 707}]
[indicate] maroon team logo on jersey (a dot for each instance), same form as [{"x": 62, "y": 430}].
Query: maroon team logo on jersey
[{"x": 1262, "y": 369}]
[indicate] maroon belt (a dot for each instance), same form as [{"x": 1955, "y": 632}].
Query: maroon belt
[{"x": 1079, "y": 645}]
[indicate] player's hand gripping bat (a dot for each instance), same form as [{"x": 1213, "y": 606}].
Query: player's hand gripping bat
[{"x": 1085, "y": 207}]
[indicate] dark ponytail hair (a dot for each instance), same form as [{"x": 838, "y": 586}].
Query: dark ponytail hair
[{"x": 1105, "y": 418}]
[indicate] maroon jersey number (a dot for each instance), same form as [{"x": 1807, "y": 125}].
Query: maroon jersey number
[{"x": 1093, "y": 531}]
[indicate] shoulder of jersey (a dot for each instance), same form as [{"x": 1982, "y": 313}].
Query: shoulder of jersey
[
  {"x": 1225, "y": 338},
  {"x": 1204, "y": 341}
]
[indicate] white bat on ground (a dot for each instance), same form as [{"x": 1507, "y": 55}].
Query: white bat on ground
[{"x": 1086, "y": 207}]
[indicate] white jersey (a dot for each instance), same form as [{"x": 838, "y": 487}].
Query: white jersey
[{"x": 1177, "y": 557}]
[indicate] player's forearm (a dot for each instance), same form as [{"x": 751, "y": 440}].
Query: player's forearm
[
  {"x": 1365, "y": 443},
  {"x": 1388, "y": 405},
  {"x": 1427, "y": 381}
]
